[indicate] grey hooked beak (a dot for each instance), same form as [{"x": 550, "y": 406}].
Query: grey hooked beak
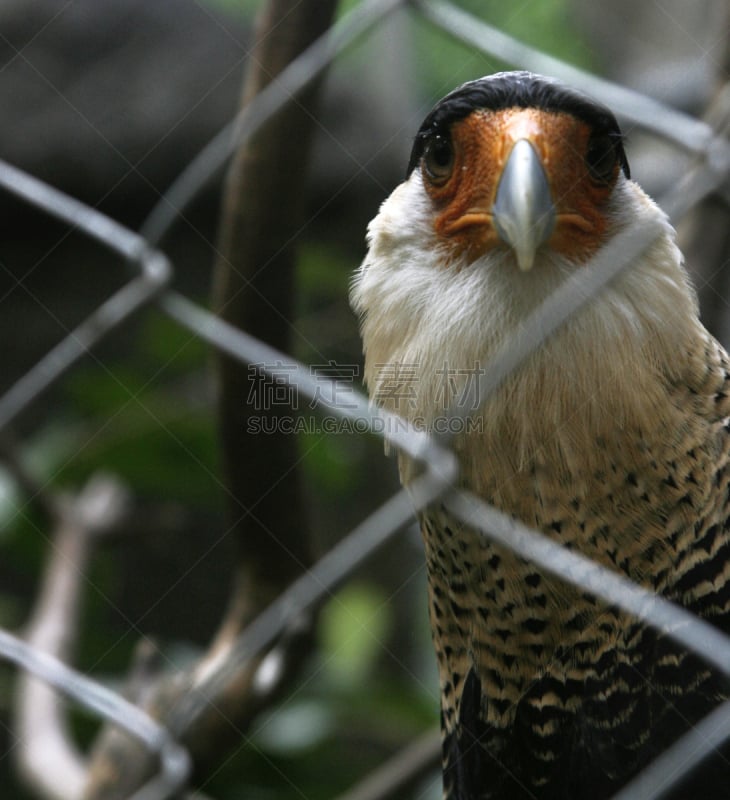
[{"x": 524, "y": 214}]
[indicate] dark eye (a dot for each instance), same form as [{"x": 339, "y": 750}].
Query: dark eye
[
  {"x": 438, "y": 159},
  {"x": 601, "y": 158}
]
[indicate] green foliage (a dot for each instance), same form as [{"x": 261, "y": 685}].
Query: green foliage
[
  {"x": 345, "y": 717},
  {"x": 326, "y": 331},
  {"x": 545, "y": 24},
  {"x": 353, "y": 627},
  {"x": 444, "y": 62},
  {"x": 151, "y": 402}
]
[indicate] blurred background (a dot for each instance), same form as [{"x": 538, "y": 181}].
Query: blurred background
[{"x": 109, "y": 101}]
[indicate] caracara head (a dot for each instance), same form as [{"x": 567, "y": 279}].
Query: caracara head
[
  {"x": 519, "y": 163},
  {"x": 515, "y": 181}
]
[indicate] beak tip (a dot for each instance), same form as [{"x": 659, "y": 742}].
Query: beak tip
[{"x": 525, "y": 260}]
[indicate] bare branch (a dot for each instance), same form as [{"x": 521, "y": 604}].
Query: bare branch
[
  {"x": 46, "y": 756},
  {"x": 254, "y": 291}
]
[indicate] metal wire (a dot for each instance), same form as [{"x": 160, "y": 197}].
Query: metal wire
[
  {"x": 578, "y": 290},
  {"x": 645, "y": 112},
  {"x": 675, "y": 763},
  {"x": 295, "y": 77},
  {"x": 154, "y": 274},
  {"x": 175, "y": 765},
  {"x": 613, "y": 588},
  {"x": 151, "y": 274}
]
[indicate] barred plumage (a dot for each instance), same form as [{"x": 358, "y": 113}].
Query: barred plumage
[{"x": 613, "y": 439}]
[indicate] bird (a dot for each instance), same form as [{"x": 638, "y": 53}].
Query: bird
[{"x": 612, "y": 438}]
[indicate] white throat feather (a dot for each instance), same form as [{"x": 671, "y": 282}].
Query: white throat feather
[{"x": 430, "y": 324}]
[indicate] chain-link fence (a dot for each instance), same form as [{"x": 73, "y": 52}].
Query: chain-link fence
[{"x": 152, "y": 273}]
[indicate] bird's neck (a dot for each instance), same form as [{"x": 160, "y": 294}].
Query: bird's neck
[{"x": 431, "y": 330}]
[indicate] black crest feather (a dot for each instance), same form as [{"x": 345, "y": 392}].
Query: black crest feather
[{"x": 517, "y": 90}]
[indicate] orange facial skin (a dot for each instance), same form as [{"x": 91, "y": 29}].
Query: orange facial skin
[{"x": 481, "y": 146}]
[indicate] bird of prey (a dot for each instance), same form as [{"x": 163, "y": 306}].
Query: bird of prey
[{"x": 612, "y": 438}]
